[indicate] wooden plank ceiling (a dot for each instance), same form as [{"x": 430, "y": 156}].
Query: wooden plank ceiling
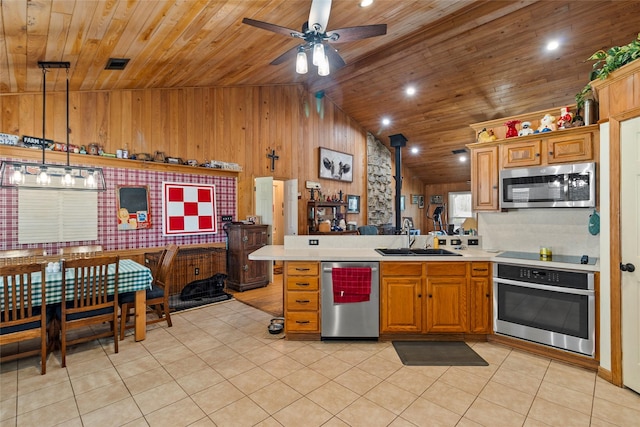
[{"x": 470, "y": 61}]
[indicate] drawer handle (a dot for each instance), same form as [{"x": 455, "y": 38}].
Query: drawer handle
[
  {"x": 480, "y": 269},
  {"x": 302, "y": 269},
  {"x": 302, "y": 301},
  {"x": 302, "y": 321},
  {"x": 302, "y": 284}
]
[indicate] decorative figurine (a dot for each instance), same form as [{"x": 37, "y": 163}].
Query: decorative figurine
[
  {"x": 486, "y": 136},
  {"x": 565, "y": 118},
  {"x": 526, "y": 129},
  {"x": 547, "y": 124},
  {"x": 511, "y": 128}
]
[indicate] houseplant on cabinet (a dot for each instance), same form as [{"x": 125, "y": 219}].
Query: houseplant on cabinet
[{"x": 607, "y": 62}]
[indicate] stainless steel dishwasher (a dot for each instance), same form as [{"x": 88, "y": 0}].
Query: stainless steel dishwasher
[{"x": 350, "y": 320}]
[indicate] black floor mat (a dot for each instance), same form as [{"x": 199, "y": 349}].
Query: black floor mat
[
  {"x": 176, "y": 304},
  {"x": 437, "y": 353}
]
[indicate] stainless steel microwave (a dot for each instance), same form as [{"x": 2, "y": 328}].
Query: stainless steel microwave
[{"x": 564, "y": 186}]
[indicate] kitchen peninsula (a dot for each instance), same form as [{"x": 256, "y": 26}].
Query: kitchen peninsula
[{"x": 422, "y": 297}]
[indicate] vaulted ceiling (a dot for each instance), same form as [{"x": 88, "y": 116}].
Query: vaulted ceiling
[{"x": 470, "y": 61}]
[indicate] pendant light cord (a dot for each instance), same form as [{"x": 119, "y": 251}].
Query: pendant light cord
[
  {"x": 67, "y": 117},
  {"x": 44, "y": 108}
]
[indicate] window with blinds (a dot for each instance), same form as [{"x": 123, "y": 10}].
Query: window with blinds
[{"x": 46, "y": 216}]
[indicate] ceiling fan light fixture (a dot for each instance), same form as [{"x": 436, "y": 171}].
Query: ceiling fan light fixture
[
  {"x": 323, "y": 67},
  {"x": 318, "y": 53},
  {"x": 301, "y": 62}
]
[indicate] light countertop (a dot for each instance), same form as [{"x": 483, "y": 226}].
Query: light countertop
[{"x": 362, "y": 248}]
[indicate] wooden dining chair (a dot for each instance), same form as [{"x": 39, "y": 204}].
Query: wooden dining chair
[
  {"x": 86, "y": 300},
  {"x": 23, "y": 316},
  {"x": 21, "y": 256},
  {"x": 157, "y": 297},
  {"x": 75, "y": 252}
]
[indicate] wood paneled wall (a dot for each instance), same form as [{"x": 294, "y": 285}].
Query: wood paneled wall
[
  {"x": 443, "y": 190},
  {"x": 240, "y": 125}
]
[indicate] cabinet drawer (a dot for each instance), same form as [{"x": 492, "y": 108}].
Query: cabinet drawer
[
  {"x": 479, "y": 268},
  {"x": 302, "y": 283},
  {"x": 302, "y": 301},
  {"x": 302, "y": 268},
  {"x": 401, "y": 268},
  {"x": 446, "y": 269},
  {"x": 301, "y": 321}
]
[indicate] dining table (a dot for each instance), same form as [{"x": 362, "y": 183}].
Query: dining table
[{"x": 132, "y": 277}]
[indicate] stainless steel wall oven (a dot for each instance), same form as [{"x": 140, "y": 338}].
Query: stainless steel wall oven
[{"x": 547, "y": 306}]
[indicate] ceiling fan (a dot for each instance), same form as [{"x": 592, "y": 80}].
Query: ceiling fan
[{"x": 316, "y": 38}]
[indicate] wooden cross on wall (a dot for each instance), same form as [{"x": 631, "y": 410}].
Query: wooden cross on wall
[{"x": 273, "y": 158}]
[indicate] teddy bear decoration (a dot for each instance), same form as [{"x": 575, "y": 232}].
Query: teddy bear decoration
[
  {"x": 526, "y": 129},
  {"x": 547, "y": 124}
]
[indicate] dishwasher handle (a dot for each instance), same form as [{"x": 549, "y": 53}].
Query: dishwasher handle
[{"x": 328, "y": 269}]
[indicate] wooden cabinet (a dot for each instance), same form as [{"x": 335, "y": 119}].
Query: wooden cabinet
[
  {"x": 484, "y": 178},
  {"x": 447, "y": 306},
  {"x": 565, "y": 146},
  {"x": 521, "y": 154},
  {"x": 318, "y": 212},
  {"x": 480, "y": 298},
  {"x": 244, "y": 273},
  {"x": 401, "y": 289},
  {"x": 302, "y": 297}
]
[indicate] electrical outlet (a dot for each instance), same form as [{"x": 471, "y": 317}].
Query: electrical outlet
[
  {"x": 227, "y": 218},
  {"x": 197, "y": 271},
  {"x": 472, "y": 242},
  {"x": 442, "y": 241},
  {"x": 456, "y": 242},
  {"x": 313, "y": 242}
]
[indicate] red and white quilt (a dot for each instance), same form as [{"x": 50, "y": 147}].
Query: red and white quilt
[{"x": 188, "y": 209}]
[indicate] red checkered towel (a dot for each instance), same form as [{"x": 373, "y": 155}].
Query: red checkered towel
[{"x": 351, "y": 284}]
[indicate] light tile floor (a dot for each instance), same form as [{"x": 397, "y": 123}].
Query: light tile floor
[{"x": 218, "y": 366}]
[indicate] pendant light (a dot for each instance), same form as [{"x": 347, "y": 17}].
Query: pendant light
[{"x": 34, "y": 175}]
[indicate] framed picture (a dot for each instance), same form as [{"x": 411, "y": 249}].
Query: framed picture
[
  {"x": 414, "y": 199},
  {"x": 353, "y": 204},
  {"x": 188, "y": 209},
  {"x": 421, "y": 202},
  {"x": 133, "y": 207},
  {"x": 402, "y": 203},
  {"x": 335, "y": 165}
]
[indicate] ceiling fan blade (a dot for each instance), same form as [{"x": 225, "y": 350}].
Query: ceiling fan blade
[
  {"x": 356, "y": 33},
  {"x": 319, "y": 14},
  {"x": 287, "y": 56},
  {"x": 272, "y": 27},
  {"x": 335, "y": 60}
]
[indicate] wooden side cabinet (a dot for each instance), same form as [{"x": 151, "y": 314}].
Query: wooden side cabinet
[
  {"x": 480, "y": 296},
  {"x": 485, "y": 178},
  {"x": 401, "y": 296},
  {"x": 302, "y": 297},
  {"x": 244, "y": 273}
]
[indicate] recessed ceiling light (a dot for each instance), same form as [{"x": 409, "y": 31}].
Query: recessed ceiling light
[
  {"x": 415, "y": 150},
  {"x": 365, "y": 3},
  {"x": 410, "y": 90},
  {"x": 553, "y": 45},
  {"x": 386, "y": 121},
  {"x": 462, "y": 159}
]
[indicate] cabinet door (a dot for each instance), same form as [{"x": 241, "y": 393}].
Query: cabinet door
[
  {"x": 570, "y": 149},
  {"x": 480, "y": 296},
  {"x": 401, "y": 309},
  {"x": 447, "y": 304},
  {"x": 254, "y": 237},
  {"x": 520, "y": 154},
  {"x": 484, "y": 178}
]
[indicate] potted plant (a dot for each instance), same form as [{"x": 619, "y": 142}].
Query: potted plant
[{"x": 606, "y": 62}]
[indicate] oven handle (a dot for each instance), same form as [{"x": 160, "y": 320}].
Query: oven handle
[{"x": 544, "y": 287}]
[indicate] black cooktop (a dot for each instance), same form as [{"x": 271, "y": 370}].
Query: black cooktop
[{"x": 532, "y": 256}]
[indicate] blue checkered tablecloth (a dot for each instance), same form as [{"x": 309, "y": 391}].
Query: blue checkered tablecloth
[{"x": 131, "y": 277}]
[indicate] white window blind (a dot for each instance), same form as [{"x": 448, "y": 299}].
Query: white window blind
[{"x": 46, "y": 216}]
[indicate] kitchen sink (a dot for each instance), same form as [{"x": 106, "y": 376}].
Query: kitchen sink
[{"x": 415, "y": 252}]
